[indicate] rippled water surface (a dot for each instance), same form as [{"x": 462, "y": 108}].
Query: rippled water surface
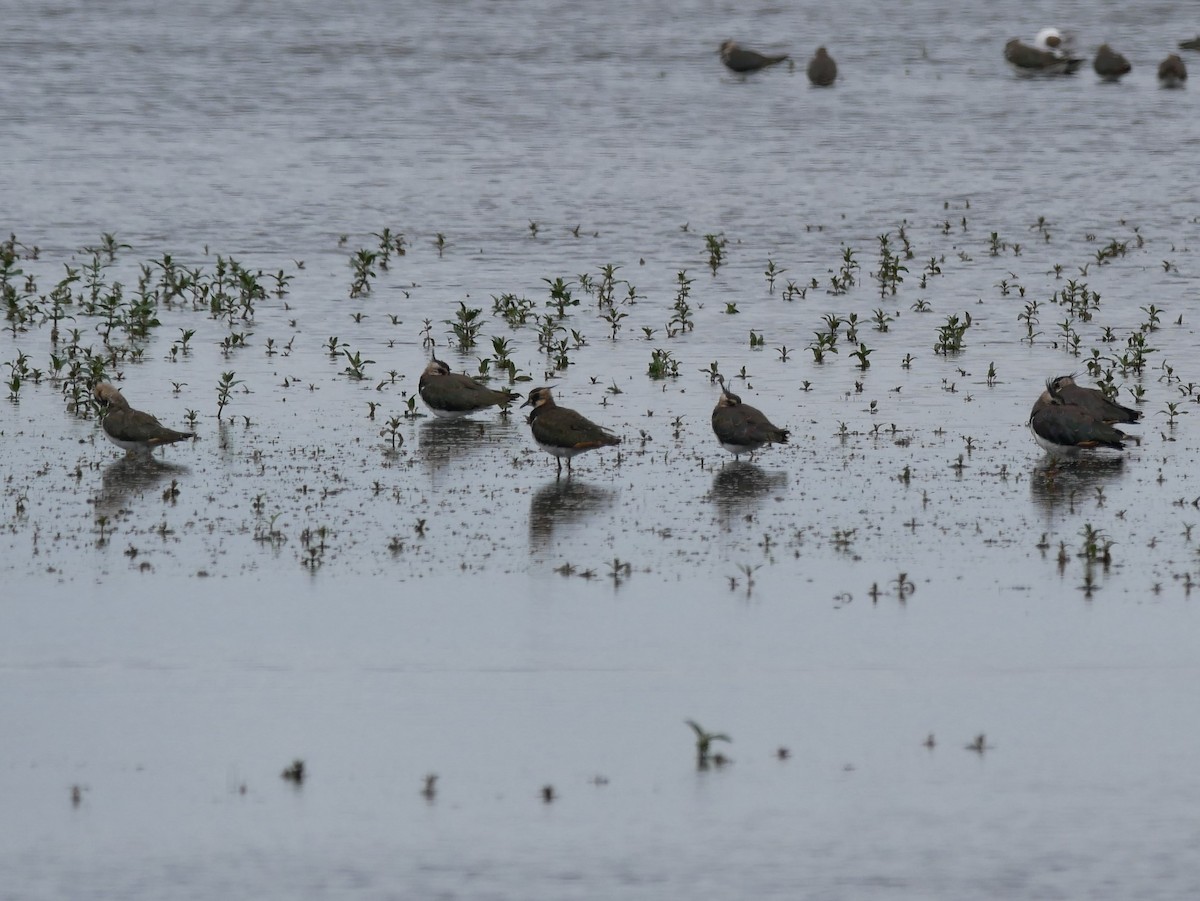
[{"x": 330, "y": 575}]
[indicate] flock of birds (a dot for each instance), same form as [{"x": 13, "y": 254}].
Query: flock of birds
[
  {"x": 822, "y": 70},
  {"x": 1051, "y": 53},
  {"x": 1066, "y": 419}
]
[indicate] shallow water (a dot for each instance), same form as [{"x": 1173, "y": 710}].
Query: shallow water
[{"x": 292, "y": 586}]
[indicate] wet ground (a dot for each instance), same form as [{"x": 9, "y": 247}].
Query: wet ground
[{"x": 890, "y": 269}]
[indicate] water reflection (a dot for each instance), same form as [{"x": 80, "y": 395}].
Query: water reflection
[
  {"x": 739, "y": 487},
  {"x": 445, "y": 441},
  {"x": 1059, "y": 485},
  {"x": 561, "y": 503},
  {"x": 129, "y": 476}
]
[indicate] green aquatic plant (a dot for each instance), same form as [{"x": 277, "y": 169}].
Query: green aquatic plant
[
  {"x": 862, "y": 355},
  {"x": 704, "y": 742},
  {"x": 225, "y": 387},
  {"x": 613, "y": 317},
  {"x": 466, "y": 325},
  {"x": 890, "y": 268},
  {"x": 825, "y": 342},
  {"x": 391, "y": 431},
  {"x": 560, "y": 296},
  {"x": 356, "y": 365},
  {"x": 362, "y": 262},
  {"x": 715, "y": 244},
  {"x": 1172, "y": 412},
  {"x": 792, "y": 291},
  {"x": 950, "y": 335},
  {"x": 772, "y": 272},
  {"x": 515, "y": 310},
  {"x": 663, "y": 364},
  {"x": 606, "y": 287}
]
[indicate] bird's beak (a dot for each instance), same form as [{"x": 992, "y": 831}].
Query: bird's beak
[{"x": 528, "y": 402}]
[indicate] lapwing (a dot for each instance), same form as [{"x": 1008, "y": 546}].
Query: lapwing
[
  {"x": 137, "y": 433},
  {"x": 1109, "y": 64},
  {"x": 1048, "y": 55},
  {"x": 561, "y": 432},
  {"x": 452, "y": 395},
  {"x": 1064, "y": 429},
  {"x": 1092, "y": 400},
  {"x": 1172, "y": 73},
  {"x": 740, "y": 428},
  {"x": 822, "y": 70},
  {"x": 741, "y": 60}
]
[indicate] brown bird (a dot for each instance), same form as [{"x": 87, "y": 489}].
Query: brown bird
[
  {"x": 452, "y": 395},
  {"x": 1092, "y": 400},
  {"x": 1109, "y": 64},
  {"x": 1027, "y": 60},
  {"x": 738, "y": 59},
  {"x": 822, "y": 70},
  {"x": 740, "y": 428},
  {"x": 1172, "y": 73},
  {"x": 561, "y": 432},
  {"x": 132, "y": 430},
  {"x": 1064, "y": 428}
]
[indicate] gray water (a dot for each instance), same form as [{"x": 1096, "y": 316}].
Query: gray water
[{"x": 293, "y": 586}]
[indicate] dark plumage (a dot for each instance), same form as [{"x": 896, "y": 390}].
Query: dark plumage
[
  {"x": 1027, "y": 60},
  {"x": 1091, "y": 400},
  {"x": 1172, "y": 73},
  {"x": 132, "y": 430},
  {"x": 451, "y": 395},
  {"x": 742, "y": 429},
  {"x": 1109, "y": 64},
  {"x": 822, "y": 70},
  {"x": 561, "y": 432},
  {"x": 738, "y": 59},
  {"x": 1064, "y": 430},
  {"x": 1067, "y": 419}
]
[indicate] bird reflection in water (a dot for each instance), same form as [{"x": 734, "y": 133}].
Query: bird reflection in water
[
  {"x": 132, "y": 476},
  {"x": 444, "y": 441},
  {"x": 739, "y": 487},
  {"x": 562, "y": 503},
  {"x": 1056, "y": 486}
]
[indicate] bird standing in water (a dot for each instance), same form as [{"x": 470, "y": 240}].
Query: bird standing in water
[
  {"x": 132, "y": 430},
  {"x": 561, "y": 432}
]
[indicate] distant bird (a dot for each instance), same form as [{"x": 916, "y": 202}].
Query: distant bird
[
  {"x": 1064, "y": 429},
  {"x": 132, "y": 430},
  {"x": 740, "y": 428},
  {"x": 452, "y": 395},
  {"x": 1048, "y": 55},
  {"x": 739, "y": 59},
  {"x": 1092, "y": 400},
  {"x": 1172, "y": 73},
  {"x": 561, "y": 432},
  {"x": 1109, "y": 64},
  {"x": 1190, "y": 44},
  {"x": 822, "y": 70}
]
